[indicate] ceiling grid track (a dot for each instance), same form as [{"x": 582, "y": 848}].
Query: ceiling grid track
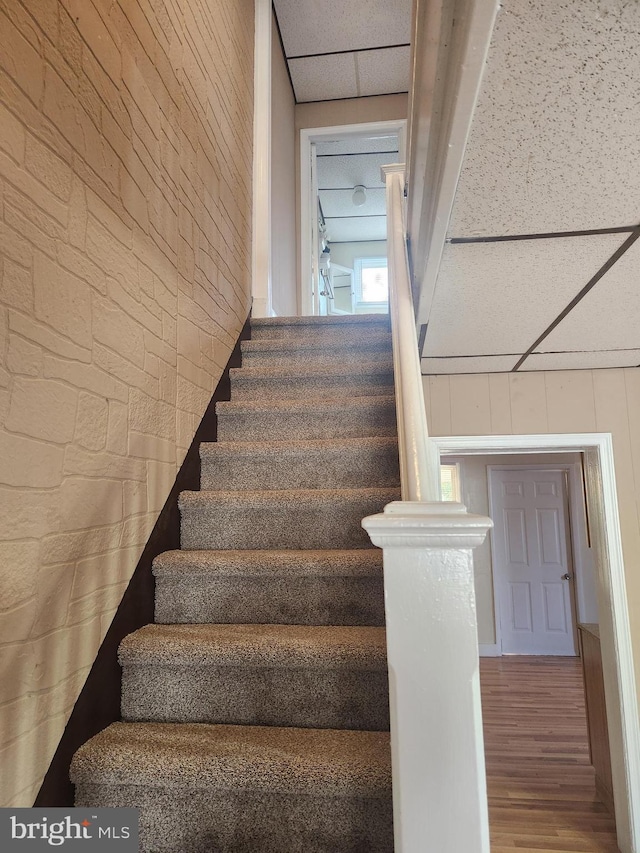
[{"x": 604, "y": 269}]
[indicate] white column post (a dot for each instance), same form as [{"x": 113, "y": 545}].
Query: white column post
[
  {"x": 261, "y": 260},
  {"x": 437, "y": 749}
]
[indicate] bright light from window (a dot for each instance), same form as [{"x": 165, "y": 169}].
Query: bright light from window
[
  {"x": 372, "y": 282},
  {"x": 375, "y": 284},
  {"x": 450, "y": 482}
]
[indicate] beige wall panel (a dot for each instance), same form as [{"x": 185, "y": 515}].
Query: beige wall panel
[
  {"x": 500, "y": 401},
  {"x": 125, "y": 256},
  {"x": 528, "y": 402},
  {"x": 578, "y": 385},
  {"x": 440, "y": 396},
  {"x": 470, "y": 405}
]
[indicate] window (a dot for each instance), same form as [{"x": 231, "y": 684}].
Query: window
[
  {"x": 450, "y": 482},
  {"x": 372, "y": 282}
]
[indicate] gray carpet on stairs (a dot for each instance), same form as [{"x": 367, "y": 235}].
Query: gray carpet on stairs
[{"x": 256, "y": 707}]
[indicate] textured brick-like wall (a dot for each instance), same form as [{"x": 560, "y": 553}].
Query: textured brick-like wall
[{"x": 125, "y": 210}]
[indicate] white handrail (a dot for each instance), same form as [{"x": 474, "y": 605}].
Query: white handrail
[{"x": 419, "y": 466}]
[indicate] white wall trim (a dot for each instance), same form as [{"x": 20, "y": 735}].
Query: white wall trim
[
  {"x": 317, "y": 134},
  {"x": 620, "y": 687},
  {"x": 261, "y": 217}
]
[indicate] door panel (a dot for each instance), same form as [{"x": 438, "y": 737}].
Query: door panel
[
  {"x": 548, "y": 530},
  {"x": 514, "y": 521},
  {"x": 531, "y": 555},
  {"x": 520, "y": 616}
]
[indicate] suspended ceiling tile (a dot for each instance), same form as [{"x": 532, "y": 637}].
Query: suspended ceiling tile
[
  {"x": 324, "y": 78},
  {"x": 497, "y": 298},
  {"x": 582, "y": 360},
  {"x": 478, "y": 364},
  {"x": 321, "y": 26},
  {"x": 554, "y": 143},
  {"x": 359, "y": 144},
  {"x": 357, "y": 230},
  {"x": 340, "y": 203},
  {"x": 346, "y": 171},
  {"x": 383, "y": 72},
  {"x": 608, "y": 317}
]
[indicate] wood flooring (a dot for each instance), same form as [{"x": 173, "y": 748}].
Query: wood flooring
[{"x": 541, "y": 785}]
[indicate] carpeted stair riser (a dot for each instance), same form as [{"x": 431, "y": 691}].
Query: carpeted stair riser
[
  {"x": 263, "y": 382},
  {"x": 257, "y": 675},
  {"x": 327, "y": 330},
  {"x": 258, "y": 587},
  {"x": 309, "y": 518},
  {"x": 215, "y": 789},
  {"x": 345, "y": 464},
  {"x": 301, "y": 420},
  {"x": 296, "y": 351}
]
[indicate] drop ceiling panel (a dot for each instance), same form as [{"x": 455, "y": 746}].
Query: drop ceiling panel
[
  {"x": 497, "y": 298},
  {"x": 359, "y": 145},
  {"x": 383, "y": 71},
  {"x": 554, "y": 144},
  {"x": 359, "y": 230},
  {"x": 480, "y": 364},
  {"x": 582, "y": 360},
  {"x": 608, "y": 317},
  {"x": 324, "y": 78},
  {"x": 340, "y": 203},
  {"x": 348, "y": 171},
  {"x": 321, "y": 26}
]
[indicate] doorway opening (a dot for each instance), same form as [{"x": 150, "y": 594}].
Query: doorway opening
[
  {"x": 343, "y": 232},
  {"x": 611, "y": 602}
]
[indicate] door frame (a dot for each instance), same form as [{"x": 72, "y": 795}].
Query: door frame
[
  {"x": 318, "y": 134},
  {"x": 615, "y": 631},
  {"x": 569, "y": 542}
]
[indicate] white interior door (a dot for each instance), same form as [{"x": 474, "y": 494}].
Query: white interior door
[{"x": 532, "y": 569}]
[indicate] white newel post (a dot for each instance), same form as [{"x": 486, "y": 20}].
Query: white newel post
[{"x": 437, "y": 750}]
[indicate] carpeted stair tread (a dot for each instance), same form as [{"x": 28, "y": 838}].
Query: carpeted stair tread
[
  {"x": 302, "y": 321},
  {"x": 270, "y": 564},
  {"x": 281, "y": 646},
  {"x": 307, "y": 418},
  {"x": 265, "y": 351},
  {"x": 311, "y": 368},
  {"x": 327, "y": 404},
  {"x": 290, "y": 498},
  {"x": 290, "y": 518},
  {"x": 331, "y": 328},
  {"x": 327, "y": 587},
  {"x": 265, "y": 675},
  {"x": 376, "y": 338},
  {"x": 317, "y": 463},
  {"x": 339, "y": 763},
  {"x": 220, "y": 448},
  {"x": 316, "y": 386}
]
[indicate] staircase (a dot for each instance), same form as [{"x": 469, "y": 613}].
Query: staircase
[{"x": 255, "y": 709}]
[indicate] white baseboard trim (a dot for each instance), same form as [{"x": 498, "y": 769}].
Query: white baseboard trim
[{"x": 489, "y": 650}]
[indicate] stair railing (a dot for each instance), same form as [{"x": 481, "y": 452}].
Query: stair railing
[
  {"x": 437, "y": 750},
  {"x": 419, "y": 468}
]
